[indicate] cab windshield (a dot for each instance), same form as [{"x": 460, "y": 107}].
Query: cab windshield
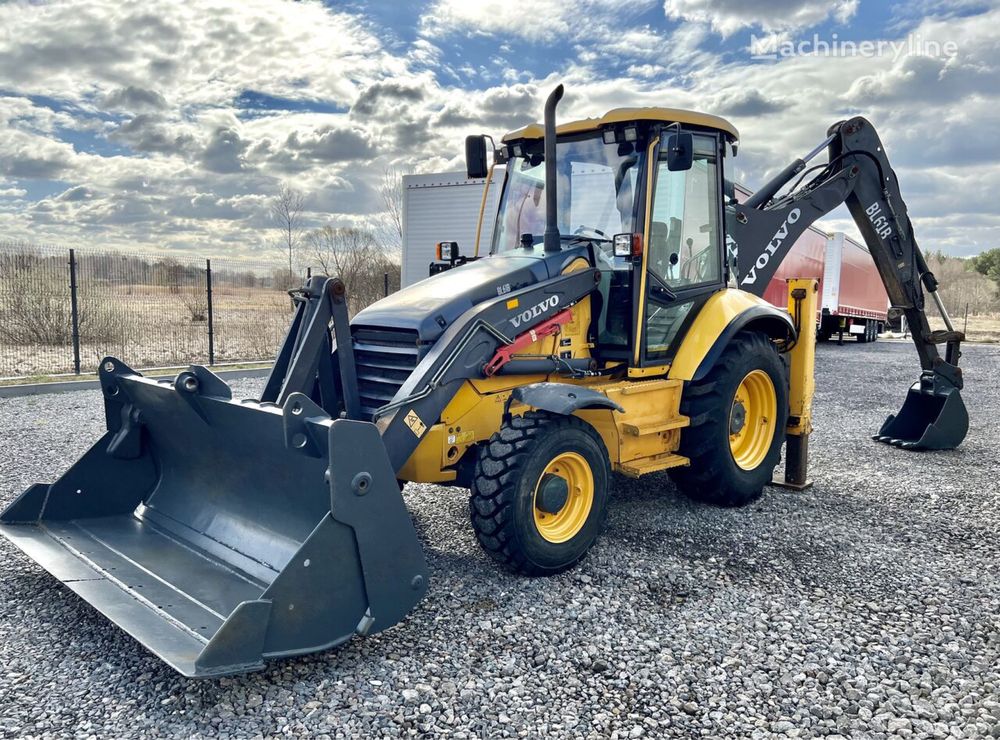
[{"x": 596, "y": 190}]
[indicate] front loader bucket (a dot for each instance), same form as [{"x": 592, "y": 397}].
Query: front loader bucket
[
  {"x": 933, "y": 417},
  {"x": 220, "y": 533}
]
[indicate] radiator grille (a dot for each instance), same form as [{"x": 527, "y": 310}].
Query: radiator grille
[{"x": 384, "y": 359}]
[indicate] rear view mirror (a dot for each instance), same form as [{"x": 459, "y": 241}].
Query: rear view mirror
[
  {"x": 475, "y": 156},
  {"x": 680, "y": 152}
]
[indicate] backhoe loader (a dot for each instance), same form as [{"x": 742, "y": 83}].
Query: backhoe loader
[{"x": 616, "y": 326}]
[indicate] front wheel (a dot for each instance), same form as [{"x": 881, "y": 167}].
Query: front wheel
[
  {"x": 540, "y": 492},
  {"x": 738, "y": 414}
]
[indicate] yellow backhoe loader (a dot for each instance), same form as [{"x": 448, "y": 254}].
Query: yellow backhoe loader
[{"x": 616, "y": 326}]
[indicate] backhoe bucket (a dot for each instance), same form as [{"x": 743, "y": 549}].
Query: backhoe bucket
[
  {"x": 220, "y": 533},
  {"x": 933, "y": 417}
]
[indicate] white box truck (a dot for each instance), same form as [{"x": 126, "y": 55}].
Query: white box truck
[{"x": 443, "y": 206}]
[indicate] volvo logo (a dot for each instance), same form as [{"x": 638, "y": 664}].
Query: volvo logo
[
  {"x": 537, "y": 310},
  {"x": 772, "y": 246}
]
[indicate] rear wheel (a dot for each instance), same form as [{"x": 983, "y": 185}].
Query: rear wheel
[
  {"x": 738, "y": 414},
  {"x": 866, "y": 335},
  {"x": 539, "y": 493}
]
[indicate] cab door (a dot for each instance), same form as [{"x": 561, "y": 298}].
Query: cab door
[{"x": 683, "y": 256}]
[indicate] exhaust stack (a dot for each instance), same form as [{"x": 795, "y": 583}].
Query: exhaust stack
[{"x": 552, "y": 240}]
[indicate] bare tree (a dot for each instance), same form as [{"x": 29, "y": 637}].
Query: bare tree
[
  {"x": 170, "y": 270},
  {"x": 356, "y": 257},
  {"x": 195, "y": 302},
  {"x": 961, "y": 287},
  {"x": 390, "y": 221},
  {"x": 286, "y": 210}
]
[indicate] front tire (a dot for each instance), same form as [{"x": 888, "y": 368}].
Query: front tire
[
  {"x": 539, "y": 493},
  {"x": 738, "y": 414}
]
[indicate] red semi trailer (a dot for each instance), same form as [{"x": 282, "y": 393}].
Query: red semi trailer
[{"x": 853, "y": 300}]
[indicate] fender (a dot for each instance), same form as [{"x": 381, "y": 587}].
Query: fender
[
  {"x": 723, "y": 315},
  {"x": 562, "y": 398}
]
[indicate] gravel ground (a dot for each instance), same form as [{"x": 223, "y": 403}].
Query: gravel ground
[{"x": 868, "y": 606}]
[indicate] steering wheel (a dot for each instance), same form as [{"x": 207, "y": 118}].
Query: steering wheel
[{"x": 580, "y": 231}]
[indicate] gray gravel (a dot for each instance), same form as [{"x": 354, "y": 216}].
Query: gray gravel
[{"x": 868, "y": 606}]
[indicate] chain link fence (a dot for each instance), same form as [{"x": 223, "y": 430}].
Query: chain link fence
[{"x": 62, "y": 310}]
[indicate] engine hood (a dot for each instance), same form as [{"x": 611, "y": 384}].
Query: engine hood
[{"x": 430, "y": 306}]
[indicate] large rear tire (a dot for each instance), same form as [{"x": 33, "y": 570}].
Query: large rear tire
[
  {"x": 539, "y": 493},
  {"x": 738, "y": 414}
]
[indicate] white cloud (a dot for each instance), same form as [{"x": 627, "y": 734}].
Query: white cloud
[
  {"x": 195, "y": 53},
  {"x": 728, "y": 16},
  {"x": 160, "y": 80},
  {"x": 534, "y": 20}
]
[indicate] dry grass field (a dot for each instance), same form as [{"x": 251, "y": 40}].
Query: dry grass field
[
  {"x": 152, "y": 327},
  {"x": 984, "y": 328},
  {"x": 145, "y": 325},
  {"x": 152, "y": 311}
]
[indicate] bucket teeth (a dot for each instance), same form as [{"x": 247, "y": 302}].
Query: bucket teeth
[{"x": 933, "y": 417}]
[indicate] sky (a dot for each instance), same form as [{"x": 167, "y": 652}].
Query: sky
[{"x": 171, "y": 125}]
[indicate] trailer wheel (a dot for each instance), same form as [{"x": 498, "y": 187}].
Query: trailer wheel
[
  {"x": 540, "y": 492},
  {"x": 864, "y": 337},
  {"x": 738, "y": 414}
]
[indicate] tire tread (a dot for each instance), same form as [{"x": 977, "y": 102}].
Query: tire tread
[{"x": 497, "y": 472}]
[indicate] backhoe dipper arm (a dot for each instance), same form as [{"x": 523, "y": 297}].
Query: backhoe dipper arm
[{"x": 763, "y": 229}]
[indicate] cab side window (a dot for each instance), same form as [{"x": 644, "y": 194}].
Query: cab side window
[
  {"x": 684, "y": 250},
  {"x": 683, "y": 235}
]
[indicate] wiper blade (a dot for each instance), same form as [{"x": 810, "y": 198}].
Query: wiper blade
[{"x": 583, "y": 237}]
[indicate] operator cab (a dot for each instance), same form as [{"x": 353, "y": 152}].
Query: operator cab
[{"x": 642, "y": 189}]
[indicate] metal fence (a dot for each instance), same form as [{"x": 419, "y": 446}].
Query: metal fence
[{"x": 62, "y": 310}]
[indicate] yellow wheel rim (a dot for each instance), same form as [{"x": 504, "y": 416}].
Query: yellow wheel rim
[
  {"x": 566, "y": 523},
  {"x": 752, "y": 419}
]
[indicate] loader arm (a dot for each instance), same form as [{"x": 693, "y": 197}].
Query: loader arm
[
  {"x": 317, "y": 357},
  {"x": 763, "y": 229}
]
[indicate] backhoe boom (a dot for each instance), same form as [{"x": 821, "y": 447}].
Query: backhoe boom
[{"x": 859, "y": 175}]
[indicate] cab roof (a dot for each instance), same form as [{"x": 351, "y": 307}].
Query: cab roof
[{"x": 624, "y": 115}]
